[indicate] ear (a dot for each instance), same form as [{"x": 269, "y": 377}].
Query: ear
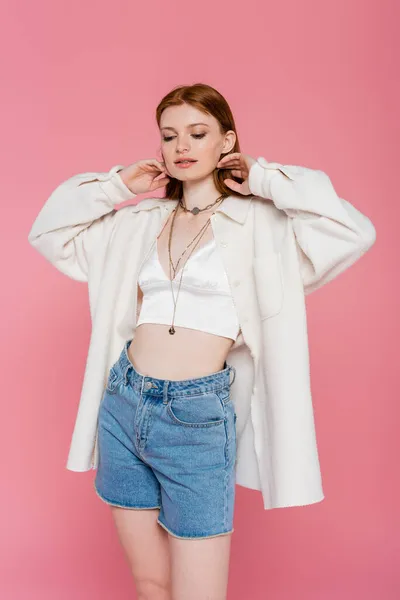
[{"x": 229, "y": 142}]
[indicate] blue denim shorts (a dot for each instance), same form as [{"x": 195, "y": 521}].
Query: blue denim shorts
[{"x": 169, "y": 444}]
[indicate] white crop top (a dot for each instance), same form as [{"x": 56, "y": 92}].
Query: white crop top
[{"x": 205, "y": 300}]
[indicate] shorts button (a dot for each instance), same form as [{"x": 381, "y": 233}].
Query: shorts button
[{"x": 148, "y": 385}]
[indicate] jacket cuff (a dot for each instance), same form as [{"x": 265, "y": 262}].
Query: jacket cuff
[
  {"x": 112, "y": 185},
  {"x": 261, "y": 174}
]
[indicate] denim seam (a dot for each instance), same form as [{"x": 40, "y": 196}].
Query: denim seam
[
  {"x": 148, "y": 426},
  {"x": 226, "y": 498},
  {"x": 198, "y": 425},
  {"x": 193, "y": 537},
  {"x": 184, "y": 393}
]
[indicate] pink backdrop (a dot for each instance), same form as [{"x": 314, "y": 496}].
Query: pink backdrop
[{"x": 309, "y": 83}]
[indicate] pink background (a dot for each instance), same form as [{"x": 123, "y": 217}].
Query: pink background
[{"x": 309, "y": 83}]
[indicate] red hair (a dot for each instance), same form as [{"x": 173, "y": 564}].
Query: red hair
[{"x": 209, "y": 101}]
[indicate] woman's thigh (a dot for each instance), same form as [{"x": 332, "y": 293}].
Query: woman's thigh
[
  {"x": 200, "y": 568},
  {"x": 146, "y": 548}
]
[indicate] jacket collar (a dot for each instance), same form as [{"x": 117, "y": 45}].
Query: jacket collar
[{"x": 235, "y": 207}]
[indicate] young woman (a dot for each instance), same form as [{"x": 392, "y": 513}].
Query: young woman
[{"x": 198, "y": 319}]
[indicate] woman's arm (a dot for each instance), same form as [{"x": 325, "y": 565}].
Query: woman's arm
[
  {"x": 331, "y": 234},
  {"x": 77, "y": 215}
]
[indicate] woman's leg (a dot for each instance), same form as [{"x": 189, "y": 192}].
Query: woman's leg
[
  {"x": 199, "y": 568},
  {"x": 146, "y": 548},
  {"x": 126, "y": 483}
]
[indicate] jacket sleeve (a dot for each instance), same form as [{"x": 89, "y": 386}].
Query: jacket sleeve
[
  {"x": 78, "y": 214},
  {"x": 330, "y": 233}
]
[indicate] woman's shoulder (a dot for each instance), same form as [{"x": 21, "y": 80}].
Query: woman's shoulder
[
  {"x": 146, "y": 204},
  {"x": 132, "y": 215}
]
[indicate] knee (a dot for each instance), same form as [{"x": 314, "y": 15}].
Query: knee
[{"x": 149, "y": 589}]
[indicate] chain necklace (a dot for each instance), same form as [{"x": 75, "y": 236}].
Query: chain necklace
[
  {"x": 196, "y": 210},
  {"x": 173, "y": 268},
  {"x": 171, "y": 264}
]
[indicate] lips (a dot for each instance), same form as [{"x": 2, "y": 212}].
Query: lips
[{"x": 185, "y": 160}]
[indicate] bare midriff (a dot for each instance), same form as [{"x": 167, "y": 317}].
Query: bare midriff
[{"x": 186, "y": 354}]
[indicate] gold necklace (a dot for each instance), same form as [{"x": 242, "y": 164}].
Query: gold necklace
[
  {"x": 175, "y": 268},
  {"x": 199, "y": 235},
  {"x": 196, "y": 210}
]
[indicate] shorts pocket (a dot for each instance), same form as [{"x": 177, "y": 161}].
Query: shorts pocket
[{"x": 203, "y": 410}]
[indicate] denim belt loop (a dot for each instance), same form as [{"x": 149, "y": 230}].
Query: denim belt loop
[
  {"x": 125, "y": 374},
  {"x": 165, "y": 392}
]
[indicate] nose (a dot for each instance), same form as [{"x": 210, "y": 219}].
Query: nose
[
  {"x": 181, "y": 147},
  {"x": 181, "y": 151}
]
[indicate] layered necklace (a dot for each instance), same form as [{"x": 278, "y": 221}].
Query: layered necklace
[{"x": 173, "y": 269}]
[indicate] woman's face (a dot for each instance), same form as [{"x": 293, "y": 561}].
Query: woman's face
[{"x": 187, "y": 132}]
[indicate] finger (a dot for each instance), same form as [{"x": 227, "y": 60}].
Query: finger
[
  {"x": 160, "y": 183},
  {"x": 225, "y": 164},
  {"x": 161, "y": 165},
  {"x": 233, "y": 185},
  {"x": 233, "y": 155},
  {"x": 237, "y": 173},
  {"x": 229, "y": 157},
  {"x": 153, "y": 163},
  {"x": 159, "y": 176}
]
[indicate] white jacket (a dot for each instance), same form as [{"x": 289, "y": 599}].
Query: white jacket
[{"x": 290, "y": 237}]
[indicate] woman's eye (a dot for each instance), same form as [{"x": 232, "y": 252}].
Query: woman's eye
[{"x": 197, "y": 136}]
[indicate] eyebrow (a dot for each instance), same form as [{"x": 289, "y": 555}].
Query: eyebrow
[{"x": 191, "y": 125}]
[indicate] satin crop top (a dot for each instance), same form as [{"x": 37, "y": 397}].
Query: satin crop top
[{"x": 204, "y": 302}]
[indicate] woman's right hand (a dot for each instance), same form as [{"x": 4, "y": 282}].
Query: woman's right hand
[{"x": 145, "y": 175}]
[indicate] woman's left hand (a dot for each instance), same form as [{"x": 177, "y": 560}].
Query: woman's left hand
[{"x": 239, "y": 164}]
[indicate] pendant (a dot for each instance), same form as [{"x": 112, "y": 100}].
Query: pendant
[
  {"x": 195, "y": 210},
  {"x": 172, "y": 330}
]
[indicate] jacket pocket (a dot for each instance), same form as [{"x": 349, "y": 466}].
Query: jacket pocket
[{"x": 268, "y": 275}]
